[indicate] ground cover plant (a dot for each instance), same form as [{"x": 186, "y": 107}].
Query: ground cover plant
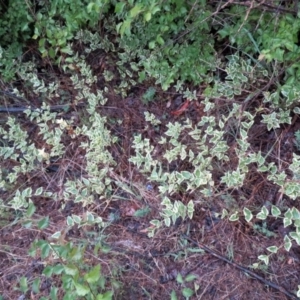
[{"x": 149, "y": 150}]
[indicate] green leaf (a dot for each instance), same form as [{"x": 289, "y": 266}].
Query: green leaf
[
  {"x": 56, "y": 235},
  {"x": 39, "y": 191},
  {"x": 45, "y": 250},
  {"x": 287, "y": 243},
  {"x": 147, "y": 16},
  {"x": 160, "y": 40},
  {"x": 196, "y": 250},
  {"x": 106, "y": 296},
  {"x": 81, "y": 289},
  {"x": 224, "y": 213},
  {"x": 27, "y": 224},
  {"x": 297, "y": 223},
  {"x": 248, "y": 214},
  {"x": 264, "y": 258},
  {"x": 275, "y": 211},
  {"x": 30, "y": 210},
  {"x": 151, "y": 45},
  {"x": 76, "y": 219},
  {"x": 296, "y": 236},
  {"x": 142, "y": 212},
  {"x": 43, "y": 223},
  {"x": 288, "y": 214},
  {"x": 187, "y": 292},
  {"x": 234, "y": 217},
  {"x": 262, "y": 215},
  {"x": 295, "y": 213},
  {"x": 173, "y": 295},
  {"x": 53, "y": 293},
  {"x": 93, "y": 275},
  {"x": 119, "y": 7},
  {"x": 36, "y": 285},
  {"x": 70, "y": 221},
  {"x": 27, "y": 192},
  {"x": 52, "y": 53},
  {"x": 286, "y": 222},
  {"x": 273, "y": 249},
  {"x": 187, "y": 175},
  {"x": 58, "y": 269},
  {"x": 23, "y": 284},
  {"x": 71, "y": 270},
  {"x": 135, "y": 10},
  {"x": 76, "y": 253},
  {"x": 41, "y": 41},
  {"x": 179, "y": 278},
  {"x": 48, "y": 271},
  {"x": 190, "y": 277},
  {"x": 190, "y": 209}
]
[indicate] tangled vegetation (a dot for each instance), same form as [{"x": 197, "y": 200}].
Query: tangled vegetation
[{"x": 150, "y": 110}]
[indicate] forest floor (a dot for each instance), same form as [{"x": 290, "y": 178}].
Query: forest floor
[{"x": 218, "y": 252}]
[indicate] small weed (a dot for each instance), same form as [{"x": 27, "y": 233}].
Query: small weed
[
  {"x": 264, "y": 230},
  {"x": 186, "y": 291}
]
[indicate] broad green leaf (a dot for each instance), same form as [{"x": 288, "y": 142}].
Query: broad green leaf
[
  {"x": 190, "y": 277},
  {"x": 81, "y": 289},
  {"x": 264, "y": 258},
  {"x": 142, "y": 212},
  {"x": 56, "y": 235},
  {"x": 70, "y": 221},
  {"x": 76, "y": 219},
  {"x": 151, "y": 45},
  {"x": 147, "y": 16},
  {"x": 296, "y": 236},
  {"x": 297, "y": 223},
  {"x": 119, "y": 7},
  {"x": 248, "y": 214},
  {"x": 48, "y": 271},
  {"x": 23, "y": 284},
  {"x": 234, "y": 217},
  {"x": 288, "y": 214},
  {"x": 187, "y": 175},
  {"x": 135, "y": 10},
  {"x": 287, "y": 222},
  {"x": 43, "y": 223},
  {"x": 27, "y": 192},
  {"x": 86, "y": 181},
  {"x": 39, "y": 191},
  {"x": 106, "y": 296},
  {"x": 53, "y": 293},
  {"x": 173, "y": 295},
  {"x": 262, "y": 215},
  {"x": 71, "y": 270},
  {"x": 93, "y": 275},
  {"x": 287, "y": 243},
  {"x": 36, "y": 285},
  {"x": 295, "y": 213},
  {"x": 76, "y": 253},
  {"x": 27, "y": 224},
  {"x": 275, "y": 211},
  {"x": 179, "y": 278},
  {"x": 187, "y": 292},
  {"x": 58, "y": 269},
  {"x": 45, "y": 250},
  {"x": 273, "y": 249},
  {"x": 167, "y": 222}
]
